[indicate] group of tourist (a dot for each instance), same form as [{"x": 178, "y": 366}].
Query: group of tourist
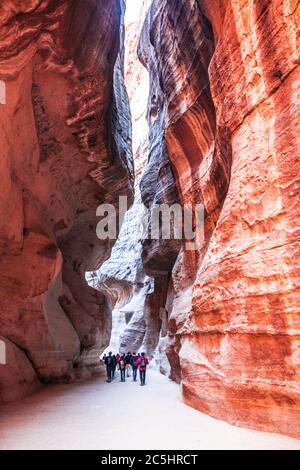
[{"x": 126, "y": 363}]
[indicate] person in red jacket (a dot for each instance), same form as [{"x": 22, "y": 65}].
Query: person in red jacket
[{"x": 142, "y": 363}]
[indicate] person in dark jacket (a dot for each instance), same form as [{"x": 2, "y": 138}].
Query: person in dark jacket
[
  {"x": 134, "y": 366},
  {"x": 128, "y": 363},
  {"x": 109, "y": 362},
  {"x": 115, "y": 362},
  {"x": 122, "y": 367},
  {"x": 142, "y": 363}
]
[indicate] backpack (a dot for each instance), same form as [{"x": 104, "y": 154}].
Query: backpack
[
  {"x": 133, "y": 361},
  {"x": 109, "y": 361},
  {"x": 143, "y": 362}
]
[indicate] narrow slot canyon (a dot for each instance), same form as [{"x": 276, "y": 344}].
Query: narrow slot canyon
[{"x": 109, "y": 110}]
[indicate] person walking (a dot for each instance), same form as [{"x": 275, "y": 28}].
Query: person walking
[
  {"x": 122, "y": 367},
  {"x": 109, "y": 362},
  {"x": 115, "y": 362},
  {"x": 134, "y": 366},
  {"x": 142, "y": 363},
  {"x": 128, "y": 363}
]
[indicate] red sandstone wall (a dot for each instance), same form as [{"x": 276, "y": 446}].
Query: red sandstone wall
[
  {"x": 228, "y": 75},
  {"x": 61, "y": 156}
]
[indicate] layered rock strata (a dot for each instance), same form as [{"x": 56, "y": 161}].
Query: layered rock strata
[
  {"x": 64, "y": 151},
  {"x": 225, "y": 101}
]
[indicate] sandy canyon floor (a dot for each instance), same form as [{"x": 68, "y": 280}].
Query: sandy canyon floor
[{"x": 100, "y": 416}]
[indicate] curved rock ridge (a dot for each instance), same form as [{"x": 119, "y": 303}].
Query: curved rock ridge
[
  {"x": 224, "y": 103},
  {"x": 65, "y": 149},
  {"x": 157, "y": 187}
]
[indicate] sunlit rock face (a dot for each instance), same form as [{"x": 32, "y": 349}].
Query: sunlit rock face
[
  {"x": 225, "y": 102},
  {"x": 65, "y": 149}
]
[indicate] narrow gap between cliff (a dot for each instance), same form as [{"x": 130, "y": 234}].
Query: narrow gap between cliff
[
  {"x": 125, "y": 264},
  {"x": 122, "y": 276}
]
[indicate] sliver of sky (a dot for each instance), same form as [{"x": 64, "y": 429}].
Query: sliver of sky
[{"x": 133, "y": 8}]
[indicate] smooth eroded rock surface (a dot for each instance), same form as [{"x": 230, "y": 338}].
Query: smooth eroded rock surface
[
  {"x": 225, "y": 100},
  {"x": 65, "y": 149}
]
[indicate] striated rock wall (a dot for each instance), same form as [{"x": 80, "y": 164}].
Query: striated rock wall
[
  {"x": 224, "y": 80},
  {"x": 65, "y": 149},
  {"x": 157, "y": 187}
]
